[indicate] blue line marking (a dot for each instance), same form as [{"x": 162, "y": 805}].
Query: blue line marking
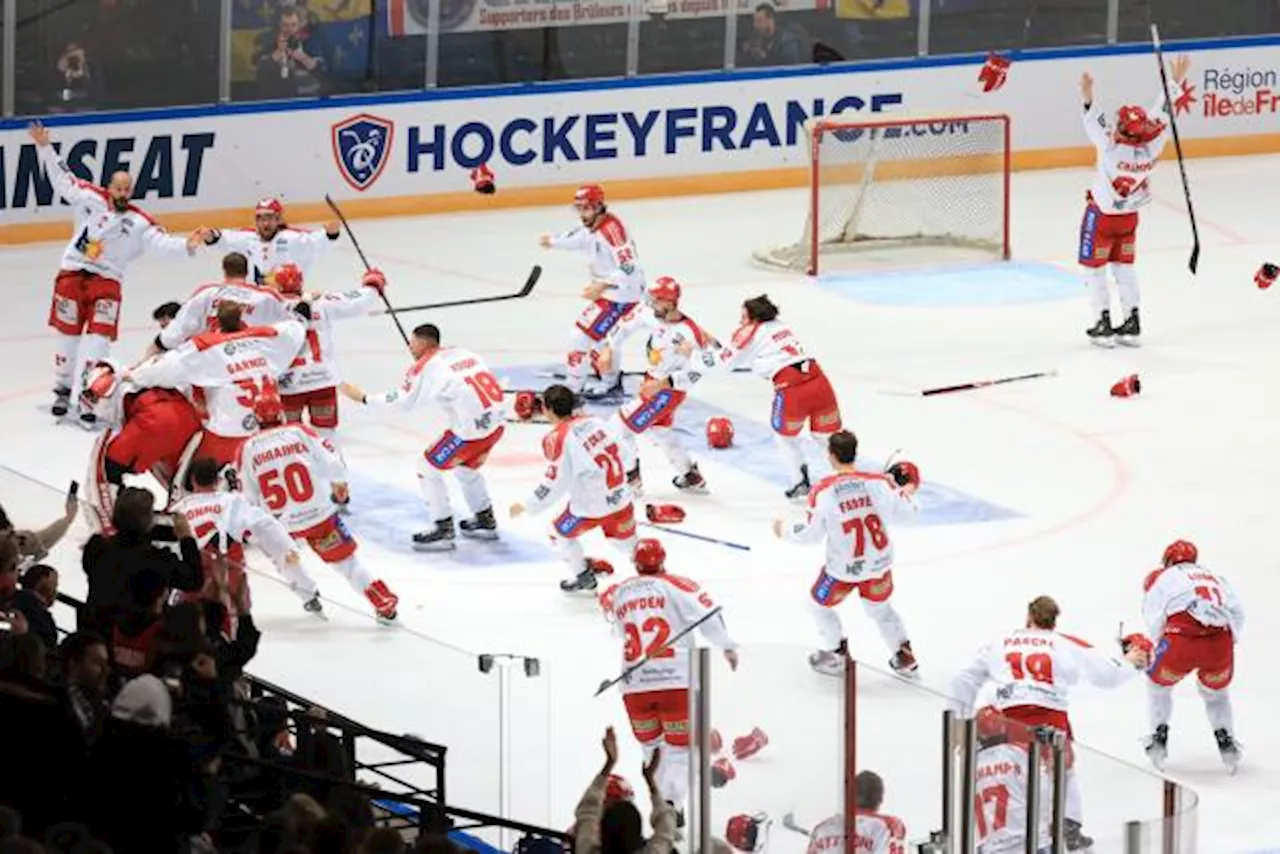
[{"x": 1008, "y": 283}]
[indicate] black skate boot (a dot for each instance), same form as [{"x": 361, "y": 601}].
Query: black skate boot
[
  {"x": 635, "y": 481},
  {"x": 313, "y": 606},
  {"x": 443, "y": 538},
  {"x": 61, "y": 401},
  {"x": 88, "y": 420},
  {"x": 1074, "y": 836},
  {"x": 801, "y": 490},
  {"x": 1129, "y": 333},
  {"x": 904, "y": 661},
  {"x": 1101, "y": 333},
  {"x": 1157, "y": 746},
  {"x": 482, "y": 527},
  {"x": 1228, "y": 749},
  {"x": 691, "y": 481}
]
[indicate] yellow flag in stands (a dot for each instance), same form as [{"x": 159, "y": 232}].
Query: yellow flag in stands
[
  {"x": 871, "y": 9},
  {"x": 339, "y": 10}
]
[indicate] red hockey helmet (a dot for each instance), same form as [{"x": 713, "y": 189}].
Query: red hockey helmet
[
  {"x": 650, "y": 557},
  {"x": 1134, "y": 126},
  {"x": 1181, "y": 551},
  {"x": 618, "y": 789},
  {"x": 665, "y": 289},
  {"x": 269, "y": 206},
  {"x": 526, "y": 405},
  {"x": 287, "y": 278},
  {"x": 589, "y": 195},
  {"x": 719, "y": 432},
  {"x": 990, "y": 723},
  {"x": 100, "y": 385},
  {"x": 268, "y": 409},
  {"x": 747, "y": 833}
]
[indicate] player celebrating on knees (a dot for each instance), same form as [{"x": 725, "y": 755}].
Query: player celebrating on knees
[
  {"x": 617, "y": 282},
  {"x": 648, "y": 610},
  {"x": 849, "y": 509},
  {"x": 460, "y": 383},
  {"x": 1126, "y": 155},
  {"x": 1198, "y": 618},
  {"x": 590, "y": 462},
  {"x": 289, "y": 469},
  {"x": 273, "y": 247},
  {"x": 109, "y": 234},
  {"x": 1000, "y": 809},
  {"x": 1034, "y": 669},
  {"x": 674, "y": 339},
  {"x": 874, "y": 832}
]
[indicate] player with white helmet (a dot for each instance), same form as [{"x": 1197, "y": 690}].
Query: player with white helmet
[
  {"x": 850, "y": 509},
  {"x": 1000, "y": 778},
  {"x": 1126, "y": 153},
  {"x": 617, "y": 281},
  {"x": 1034, "y": 669},
  {"x": 647, "y": 611},
  {"x": 589, "y": 461},
  {"x": 1195, "y": 618},
  {"x": 273, "y": 247},
  {"x": 459, "y": 383},
  {"x": 679, "y": 351}
]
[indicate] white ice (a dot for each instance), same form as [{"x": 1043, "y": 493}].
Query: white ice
[{"x": 1099, "y": 486}]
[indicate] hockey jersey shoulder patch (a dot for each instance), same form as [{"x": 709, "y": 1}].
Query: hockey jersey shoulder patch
[
  {"x": 679, "y": 582},
  {"x": 1152, "y": 577},
  {"x": 553, "y": 442},
  {"x": 743, "y": 334},
  {"x": 610, "y": 228}
]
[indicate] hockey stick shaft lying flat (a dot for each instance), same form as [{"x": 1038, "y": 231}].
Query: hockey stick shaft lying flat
[
  {"x": 694, "y": 536},
  {"x": 947, "y": 389},
  {"x": 534, "y": 275},
  {"x": 1194, "y": 261},
  {"x": 653, "y": 653},
  {"x": 351, "y": 235}
]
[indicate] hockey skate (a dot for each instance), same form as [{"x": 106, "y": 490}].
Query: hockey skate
[
  {"x": 384, "y": 602},
  {"x": 341, "y": 497},
  {"x": 1129, "y": 333},
  {"x": 1102, "y": 333},
  {"x": 443, "y": 538},
  {"x": 827, "y": 662},
  {"x": 314, "y": 607},
  {"x": 483, "y": 527},
  {"x": 88, "y": 420},
  {"x": 691, "y": 481},
  {"x": 585, "y": 581},
  {"x": 61, "y": 401},
  {"x": 800, "y": 491},
  {"x": 1074, "y": 836},
  {"x": 1228, "y": 749},
  {"x": 635, "y": 482},
  {"x": 904, "y": 662},
  {"x": 1157, "y": 746}
]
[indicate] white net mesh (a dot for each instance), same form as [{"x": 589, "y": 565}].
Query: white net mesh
[{"x": 932, "y": 182}]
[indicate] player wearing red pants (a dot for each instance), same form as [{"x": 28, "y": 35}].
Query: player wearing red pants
[{"x": 1195, "y": 618}]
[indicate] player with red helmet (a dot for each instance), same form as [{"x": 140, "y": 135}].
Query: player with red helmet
[
  {"x": 679, "y": 351},
  {"x": 1126, "y": 153},
  {"x": 289, "y": 469},
  {"x": 617, "y": 281},
  {"x": 647, "y": 611},
  {"x": 272, "y": 246},
  {"x": 1000, "y": 799},
  {"x": 1196, "y": 619}
]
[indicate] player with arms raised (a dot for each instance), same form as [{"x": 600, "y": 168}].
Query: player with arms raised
[
  {"x": 647, "y": 611},
  {"x": 110, "y": 233},
  {"x": 289, "y": 470},
  {"x": 459, "y": 383},
  {"x": 1126, "y": 154},
  {"x": 1034, "y": 669},
  {"x": 1000, "y": 799},
  {"x": 849, "y": 510},
  {"x": 1197, "y": 619},
  {"x": 617, "y": 281},
  {"x": 589, "y": 461},
  {"x": 874, "y": 831},
  {"x": 273, "y": 247}
]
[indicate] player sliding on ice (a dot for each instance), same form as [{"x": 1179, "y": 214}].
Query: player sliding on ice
[{"x": 1127, "y": 153}]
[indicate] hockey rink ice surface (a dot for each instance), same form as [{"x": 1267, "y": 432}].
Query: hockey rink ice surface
[{"x": 1046, "y": 486}]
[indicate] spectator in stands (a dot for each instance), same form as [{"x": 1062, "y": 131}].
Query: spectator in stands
[
  {"x": 85, "y": 670},
  {"x": 619, "y": 828},
  {"x": 35, "y": 598},
  {"x": 287, "y": 66},
  {"x": 34, "y": 739},
  {"x": 12, "y": 620},
  {"x": 773, "y": 43},
  {"x": 382, "y": 840},
  {"x": 35, "y": 545},
  {"x": 77, "y": 82},
  {"x": 136, "y": 629}
]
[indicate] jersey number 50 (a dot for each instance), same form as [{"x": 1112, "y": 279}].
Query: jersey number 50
[{"x": 279, "y": 486}]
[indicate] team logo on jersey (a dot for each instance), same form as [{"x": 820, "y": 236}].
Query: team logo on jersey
[{"x": 361, "y": 148}]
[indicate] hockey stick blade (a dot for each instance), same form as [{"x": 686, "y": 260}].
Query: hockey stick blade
[
  {"x": 534, "y": 275},
  {"x": 948, "y": 389},
  {"x": 1194, "y": 261},
  {"x": 655, "y": 651},
  {"x": 699, "y": 537},
  {"x": 789, "y": 822}
]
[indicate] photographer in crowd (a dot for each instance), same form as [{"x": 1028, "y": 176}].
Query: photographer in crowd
[{"x": 287, "y": 64}]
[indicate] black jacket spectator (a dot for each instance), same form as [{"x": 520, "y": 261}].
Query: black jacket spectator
[
  {"x": 773, "y": 42},
  {"x": 35, "y": 598}
]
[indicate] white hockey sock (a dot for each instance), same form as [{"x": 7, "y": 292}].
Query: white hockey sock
[
  {"x": 1095, "y": 278},
  {"x": 434, "y": 491},
  {"x": 673, "y": 775},
  {"x": 474, "y": 489},
  {"x": 887, "y": 620},
  {"x": 578, "y": 360},
  {"x": 793, "y": 453},
  {"x": 354, "y": 572},
  {"x": 1073, "y": 809},
  {"x": 300, "y": 581},
  {"x": 1127, "y": 285},
  {"x": 571, "y": 552},
  {"x": 666, "y": 439},
  {"x": 1159, "y": 704},
  {"x": 64, "y": 360},
  {"x": 830, "y": 628},
  {"x": 1217, "y": 705}
]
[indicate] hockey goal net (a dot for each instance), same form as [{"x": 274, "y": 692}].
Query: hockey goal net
[{"x": 903, "y": 183}]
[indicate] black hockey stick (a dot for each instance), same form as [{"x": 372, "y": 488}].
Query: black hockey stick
[
  {"x": 653, "y": 653},
  {"x": 947, "y": 389},
  {"x": 534, "y": 275},
  {"x": 700, "y": 537},
  {"x": 333, "y": 206},
  {"x": 1194, "y": 261},
  {"x": 790, "y": 823}
]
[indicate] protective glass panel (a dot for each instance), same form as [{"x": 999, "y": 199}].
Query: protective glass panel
[
  {"x": 680, "y": 35},
  {"x": 1187, "y": 19},
  {"x": 799, "y": 33},
  {"x": 983, "y": 25}
]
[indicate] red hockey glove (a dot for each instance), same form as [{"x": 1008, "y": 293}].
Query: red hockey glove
[
  {"x": 994, "y": 72},
  {"x": 667, "y": 514},
  {"x": 375, "y": 279},
  {"x": 1266, "y": 276},
  {"x": 905, "y": 473}
]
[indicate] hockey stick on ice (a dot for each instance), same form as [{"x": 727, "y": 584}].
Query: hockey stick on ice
[
  {"x": 694, "y": 536},
  {"x": 534, "y": 275},
  {"x": 657, "y": 650},
  {"x": 1194, "y": 260},
  {"x": 790, "y": 823},
  {"x": 947, "y": 389},
  {"x": 351, "y": 235}
]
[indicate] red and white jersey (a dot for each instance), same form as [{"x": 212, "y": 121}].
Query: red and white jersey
[
  {"x": 851, "y": 510},
  {"x": 662, "y": 348},
  {"x": 611, "y": 257},
  {"x": 1120, "y": 184},
  {"x": 316, "y": 365},
  {"x": 230, "y": 370},
  {"x": 766, "y": 348},
  {"x": 1000, "y": 808},
  {"x": 290, "y": 470},
  {"x": 288, "y": 246},
  {"x": 874, "y": 833},
  {"x": 105, "y": 240},
  {"x": 588, "y": 461},
  {"x": 199, "y": 313},
  {"x": 1036, "y": 667},
  {"x": 234, "y": 519},
  {"x": 1188, "y": 599},
  {"x": 457, "y": 381},
  {"x": 647, "y": 611}
]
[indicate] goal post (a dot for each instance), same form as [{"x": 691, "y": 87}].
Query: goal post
[{"x": 903, "y": 183}]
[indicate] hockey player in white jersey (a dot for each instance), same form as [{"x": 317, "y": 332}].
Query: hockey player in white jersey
[
  {"x": 678, "y": 352},
  {"x": 1033, "y": 670},
  {"x": 1195, "y": 618},
  {"x": 289, "y": 469},
  {"x": 617, "y": 281},
  {"x": 110, "y": 233},
  {"x": 1000, "y": 786},
  {"x": 647, "y": 611},
  {"x": 850, "y": 510},
  {"x": 589, "y": 461},
  {"x": 1126, "y": 153},
  {"x": 875, "y": 832},
  {"x": 460, "y": 384},
  {"x": 273, "y": 247}
]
